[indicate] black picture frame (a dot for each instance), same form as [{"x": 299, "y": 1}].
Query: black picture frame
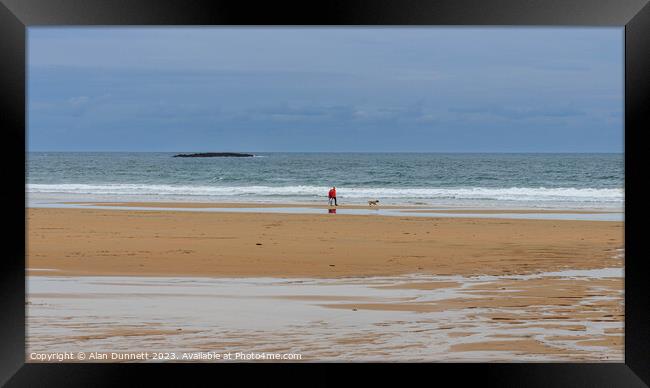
[{"x": 17, "y": 15}]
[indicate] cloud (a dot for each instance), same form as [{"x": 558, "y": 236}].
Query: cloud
[
  {"x": 352, "y": 113},
  {"x": 521, "y": 113},
  {"x": 78, "y": 101},
  {"x": 80, "y": 105}
]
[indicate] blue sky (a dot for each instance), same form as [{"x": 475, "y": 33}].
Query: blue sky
[{"x": 453, "y": 89}]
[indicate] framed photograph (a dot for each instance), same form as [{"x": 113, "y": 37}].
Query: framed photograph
[{"x": 424, "y": 189}]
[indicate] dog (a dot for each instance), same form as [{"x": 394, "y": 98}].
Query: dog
[{"x": 373, "y": 203}]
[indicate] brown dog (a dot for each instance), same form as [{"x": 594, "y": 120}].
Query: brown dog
[{"x": 373, "y": 203}]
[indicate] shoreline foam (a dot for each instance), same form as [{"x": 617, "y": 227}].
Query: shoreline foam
[{"x": 359, "y": 194}]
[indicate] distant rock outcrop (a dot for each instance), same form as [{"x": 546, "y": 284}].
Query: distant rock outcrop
[{"x": 215, "y": 155}]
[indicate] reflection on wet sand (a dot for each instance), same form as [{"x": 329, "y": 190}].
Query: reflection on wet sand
[{"x": 555, "y": 316}]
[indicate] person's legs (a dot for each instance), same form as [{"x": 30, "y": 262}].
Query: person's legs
[{"x": 335, "y": 203}]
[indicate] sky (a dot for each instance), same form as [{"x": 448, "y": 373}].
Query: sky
[{"x": 399, "y": 89}]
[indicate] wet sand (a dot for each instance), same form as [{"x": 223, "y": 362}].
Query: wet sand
[
  {"x": 413, "y": 208},
  {"x": 352, "y": 319},
  {"x": 511, "y": 211},
  {"x": 237, "y": 205}
]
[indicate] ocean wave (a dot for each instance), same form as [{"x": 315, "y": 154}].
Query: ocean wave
[{"x": 567, "y": 194}]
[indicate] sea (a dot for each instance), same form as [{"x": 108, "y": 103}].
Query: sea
[{"x": 474, "y": 180}]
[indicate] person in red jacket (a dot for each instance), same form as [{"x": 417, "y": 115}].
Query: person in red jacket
[{"x": 332, "y": 196}]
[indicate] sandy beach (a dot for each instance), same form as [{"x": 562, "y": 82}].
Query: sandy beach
[
  {"x": 327, "y": 286},
  {"x": 160, "y": 243}
]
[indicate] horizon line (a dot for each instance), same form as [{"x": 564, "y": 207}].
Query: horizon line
[{"x": 348, "y": 152}]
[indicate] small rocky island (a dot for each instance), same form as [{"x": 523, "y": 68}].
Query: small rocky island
[{"x": 215, "y": 155}]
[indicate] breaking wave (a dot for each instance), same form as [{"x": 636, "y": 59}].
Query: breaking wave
[{"x": 566, "y": 194}]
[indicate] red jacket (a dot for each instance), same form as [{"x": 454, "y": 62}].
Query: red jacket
[{"x": 332, "y": 193}]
